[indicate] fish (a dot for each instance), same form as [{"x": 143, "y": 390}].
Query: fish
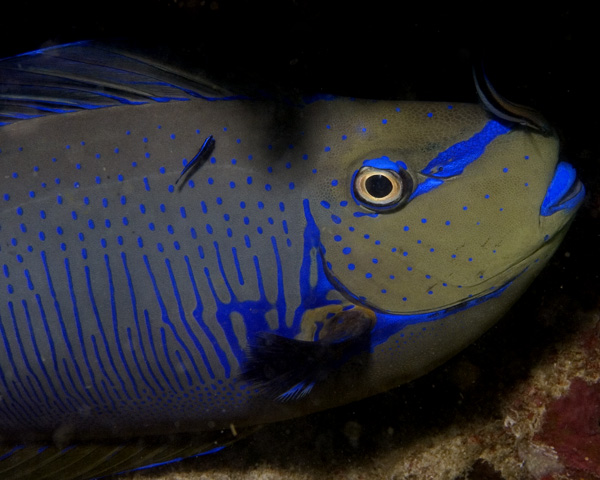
[{"x": 181, "y": 264}]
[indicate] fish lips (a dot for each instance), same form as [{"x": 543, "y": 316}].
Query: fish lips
[{"x": 565, "y": 192}]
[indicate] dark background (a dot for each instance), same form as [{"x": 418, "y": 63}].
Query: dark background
[{"x": 545, "y": 58}]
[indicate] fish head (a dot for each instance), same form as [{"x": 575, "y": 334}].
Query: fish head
[{"x": 426, "y": 206}]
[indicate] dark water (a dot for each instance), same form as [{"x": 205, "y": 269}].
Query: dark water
[{"x": 545, "y": 59}]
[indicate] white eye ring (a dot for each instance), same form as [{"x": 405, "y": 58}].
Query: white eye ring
[{"x": 381, "y": 188}]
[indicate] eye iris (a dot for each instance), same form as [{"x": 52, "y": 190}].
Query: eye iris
[{"x": 379, "y": 186}]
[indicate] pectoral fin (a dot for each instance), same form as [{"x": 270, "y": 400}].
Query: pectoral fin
[{"x": 290, "y": 368}]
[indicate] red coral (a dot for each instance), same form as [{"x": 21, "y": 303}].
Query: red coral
[{"x": 572, "y": 427}]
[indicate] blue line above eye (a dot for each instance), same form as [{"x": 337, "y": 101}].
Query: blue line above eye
[
  {"x": 454, "y": 159},
  {"x": 385, "y": 163}
]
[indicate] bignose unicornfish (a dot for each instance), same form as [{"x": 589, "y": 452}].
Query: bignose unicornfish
[{"x": 179, "y": 261}]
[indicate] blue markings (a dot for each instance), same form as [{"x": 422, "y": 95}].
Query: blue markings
[
  {"x": 455, "y": 159},
  {"x": 425, "y": 187},
  {"x": 564, "y": 192}
]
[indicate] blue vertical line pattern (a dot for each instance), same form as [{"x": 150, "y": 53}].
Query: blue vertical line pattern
[
  {"x": 236, "y": 261},
  {"x": 312, "y": 296},
  {"x": 103, "y": 335},
  {"x": 103, "y": 370},
  {"x": 32, "y": 390},
  {"x": 15, "y": 370},
  {"x": 184, "y": 368},
  {"x": 22, "y": 405},
  {"x": 153, "y": 347},
  {"x": 280, "y": 302},
  {"x": 80, "y": 335},
  {"x": 137, "y": 321},
  {"x": 52, "y": 348},
  {"x": 63, "y": 329},
  {"x": 163, "y": 338},
  {"x": 197, "y": 313},
  {"x": 165, "y": 315},
  {"x": 26, "y": 358},
  {"x": 58, "y": 404},
  {"x": 186, "y": 325},
  {"x": 115, "y": 322},
  {"x": 137, "y": 363}
]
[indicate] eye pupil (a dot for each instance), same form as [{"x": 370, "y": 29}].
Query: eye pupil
[{"x": 379, "y": 186}]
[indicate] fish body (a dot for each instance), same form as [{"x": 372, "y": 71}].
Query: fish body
[{"x": 314, "y": 253}]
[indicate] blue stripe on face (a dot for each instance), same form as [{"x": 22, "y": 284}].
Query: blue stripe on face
[{"x": 452, "y": 161}]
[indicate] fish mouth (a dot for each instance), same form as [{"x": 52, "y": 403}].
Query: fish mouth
[{"x": 565, "y": 192}]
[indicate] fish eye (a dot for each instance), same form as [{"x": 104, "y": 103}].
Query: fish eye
[{"x": 378, "y": 188}]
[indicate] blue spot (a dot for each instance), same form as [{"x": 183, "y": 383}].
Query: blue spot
[
  {"x": 336, "y": 219},
  {"x": 267, "y": 187},
  {"x": 210, "y": 180},
  {"x": 142, "y": 208},
  {"x": 384, "y": 121},
  {"x": 91, "y": 224},
  {"x": 160, "y": 247},
  {"x": 260, "y": 205},
  {"x": 231, "y": 184},
  {"x": 86, "y": 200},
  {"x": 209, "y": 229},
  {"x": 423, "y": 220},
  {"x": 409, "y": 269},
  {"x": 505, "y": 169},
  {"x": 281, "y": 207},
  {"x": 447, "y": 222},
  {"x": 368, "y": 275},
  {"x": 334, "y": 183},
  {"x": 327, "y": 149},
  {"x": 19, "y": 211},
  {"x": 242, "y": 205},
  {"x": 219, "y": 201},
  {"x": 430, "y": 114},
  {"x": 351, "y": 266},
  {"x": 42, "y": 236},
  {"x": 375, "y": 260},
  {"x": 291, "y": 185},
  {"x": 406, "y": 229},
  {"x": 337, "y": 238},
  {"x": 325, "y": 204},
  {"x": 346, "y": 250},
  {"x": 465, "y": 208},
  {"x": 249, "y": 180},
  {"x": 344, "y": 137}
]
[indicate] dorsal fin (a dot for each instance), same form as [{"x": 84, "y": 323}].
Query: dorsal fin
[
  {"x": 85, "y": 75},
  {"x": 504, "y": 109}
]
